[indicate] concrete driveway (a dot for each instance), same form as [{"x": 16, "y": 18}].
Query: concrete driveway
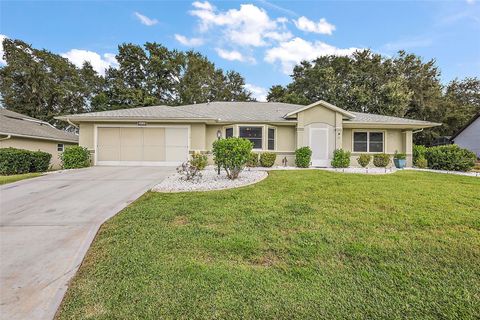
[{"x": 47, "y": 225}]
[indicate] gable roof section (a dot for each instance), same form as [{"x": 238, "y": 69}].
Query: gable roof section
[
  {"x": 475, "y": 117},
  {"x": 237, "y": 112},
  {"x": 322, "y": 103},
  {"x": 19, "y": 125}
]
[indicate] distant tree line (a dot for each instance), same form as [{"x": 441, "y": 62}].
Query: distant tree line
[
  {"x": 401, "y": 86},
  {"x": 43, "y": 85}
]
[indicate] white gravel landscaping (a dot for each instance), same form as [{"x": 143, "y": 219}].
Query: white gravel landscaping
[{"x": 210, "y": 180}]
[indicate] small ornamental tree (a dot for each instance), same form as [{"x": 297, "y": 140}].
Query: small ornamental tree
[
  {"x": 303, "y": 157},
  {"x": 232, "y": 155},
  {"x": 75, "y": 157}
]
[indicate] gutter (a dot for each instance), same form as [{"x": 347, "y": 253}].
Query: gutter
[
  {"x": 36, "y": 137},
  {"x": 71, "y": 123},
  {"x": 6, "y": 138}
]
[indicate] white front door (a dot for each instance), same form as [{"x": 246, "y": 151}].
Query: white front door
[{"x": 319, "y": 144}]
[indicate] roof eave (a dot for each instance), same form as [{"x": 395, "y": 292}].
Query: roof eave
[
  {"x": 322, "y": 103},
  {"x": 353, "y": 124},
  {"x": 39, "y": 137}
]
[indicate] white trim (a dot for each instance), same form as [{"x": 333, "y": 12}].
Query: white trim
[
  {"x": 318, "y": 164},
  {"x": 324, "y": 104},
  {"x": 136, "y": 163},
  {"x": 38, "y": 137},
  {"x": 274, "y": 138},
  {"x": 384, "y": 145}
]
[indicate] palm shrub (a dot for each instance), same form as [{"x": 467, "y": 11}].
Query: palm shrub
[
  {"x": 75, "y": 157},
  {"x": 303, "y": 157},
  {"x": 381, "y": 160},
  {"x": 232, "y": 155},
  {"x": 341, "y": 158},
  {"x": 450, "y": 157},
  {"x": 364, "y": 159},
  {"x": 267, "y": 159},
  {"x": 252, "y": 160},
  {"x": 199, "y": 161}
]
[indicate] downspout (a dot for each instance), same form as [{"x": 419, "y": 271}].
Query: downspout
[
  {"x": 73, "y": 124},
  {"x": 417, "y": 131},
  {"x": 6, "y": 138}
]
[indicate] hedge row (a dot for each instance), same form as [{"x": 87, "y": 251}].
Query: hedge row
[
  {"x": 18, "y": 161},
  {"x": 449, "y": 157}
]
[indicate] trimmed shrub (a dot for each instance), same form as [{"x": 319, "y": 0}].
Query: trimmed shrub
[
  {"x": 14, "y": 161},
  {"x": 267, "y": 159},
  {"x": 450, "y": 157},
  {"x": 381, "y": 160},
  {"x": 303, "y": 157},
  {"x": 40, "y": 161},
  {"x": 199, "y": 161},
  {"x": 418, "y": 151},
  {"x": 252, "y": 160},
  {"x": 75, "y": 157},
  {"x": 364, "y": 159},
  {"x": 341, "y": 158},
  {"x": 421, "y": 162},
  {"x": 232, "y": 155}
]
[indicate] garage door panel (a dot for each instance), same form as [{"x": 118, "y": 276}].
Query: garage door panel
[
  {"x": 176, "y": 137},
  {"x": 154, "y": 137},
  {"x": 106, "y": 153},
  {"x": 108, "y": 136},
  {"x": 176, "y": 154},
  {"x": 131, "y": 136},
  {"x": 131, "y": 153},
  {"x": 152, "y": 153}
]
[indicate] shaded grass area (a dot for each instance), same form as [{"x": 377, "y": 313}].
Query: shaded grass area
[
  {"x": 18, "y": 177},
  {"x": 298, "y": 245}
]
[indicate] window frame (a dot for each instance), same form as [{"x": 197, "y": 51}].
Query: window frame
[
  {"x": 225, "y": 131},
  {"x": 274, "y": 138},
  {"x": 384, "y": 140},
  {"x": 60, "y": 147},
  {"x": 253, "y": 126}
]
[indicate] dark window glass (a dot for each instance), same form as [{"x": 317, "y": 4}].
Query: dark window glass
[
  {"x": 254, "y": 134},
  {"x": 271, "y": 139},
  {"x": 359, "y": 142},
  {"x": 60, "y": 147},
  {"x": 375, "y": 142},
  {"x": 228, "y": 132}
]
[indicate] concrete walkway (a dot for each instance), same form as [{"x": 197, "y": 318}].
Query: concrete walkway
[{"x": 47, "y": 225}]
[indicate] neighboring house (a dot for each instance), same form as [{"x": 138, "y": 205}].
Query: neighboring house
[
  {"x": 163, "y": 135},
  {"x": 23, "y": 132},
  {"x": 469, "y": 136}
]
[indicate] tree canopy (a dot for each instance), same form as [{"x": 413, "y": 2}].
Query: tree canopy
[{"x": 402, "y": 86}]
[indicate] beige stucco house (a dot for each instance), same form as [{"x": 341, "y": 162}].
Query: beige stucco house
[
  {"x": 163, "y": 135},
  {"x": 23, "y": 132}
]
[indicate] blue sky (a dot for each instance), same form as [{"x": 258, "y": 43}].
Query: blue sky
[{"x": 260, "y": 39}]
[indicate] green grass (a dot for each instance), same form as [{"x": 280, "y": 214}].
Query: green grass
[
  {"x": 298, "y": 245},
  {"x": 18, "y": 177}
]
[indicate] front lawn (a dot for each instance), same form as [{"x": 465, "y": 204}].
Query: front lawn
[
  {"x": 298, "y": 245},
  {"x": 18, "y": 177}
]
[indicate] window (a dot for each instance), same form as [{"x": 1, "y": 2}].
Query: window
[
  {"x": 228, "y": 132},
  {"x": 60, "y": 147},
  {"x": 368, "y": 141},
  {"x": 271, "y": 139},
  {"x": 254, "y": 134}
]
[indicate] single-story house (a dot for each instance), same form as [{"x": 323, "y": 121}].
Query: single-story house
[
  {"x": 164, "y": 135},
  {"x": 23, "y": 132},
  {"x": 468, "y": 137}
]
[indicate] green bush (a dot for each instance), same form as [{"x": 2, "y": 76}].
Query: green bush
[
  {"x": 364, "y": 159},
  {"x": 267, "y": 159},
  {"x": 75, "y": 157},
  {"x": 341, "y": 158},
  {"x": 399, "y": 156},
  {"x": 40, "y": 161},
  {"x": 381, "y": 160},
  {"x": 252, "y": 160},
  {"x": 421, "y": 162},
  {"x": 303, "y": 157},
  {"x": 232, "y": 155},
  {"x": 199, "y": 161},
  {"x": 14, "y": 161},
  {"x": 418, "y": 151},
  {"x": 450, "y": 157}
]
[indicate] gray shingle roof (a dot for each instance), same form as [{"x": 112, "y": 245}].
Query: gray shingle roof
[
  {"x": 227, "y": 112},
  {"x": 16, "y": 124}
]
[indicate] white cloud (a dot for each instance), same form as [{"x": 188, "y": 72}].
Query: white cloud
[
  {"x": 98, "y": 62},
  {"x": 292, "y": 52},
  {"x": 258, "y": 93},
  {"x": 145, "y": 20},
  {"x": 247, "y": 26},
  {"x": 470, "y": 1},
  {"x": 189, "y": 42},
  {"x": 2, "y": 61},
  {"x": 233, "y": 55},
  {"x": 322, "y": 26}
]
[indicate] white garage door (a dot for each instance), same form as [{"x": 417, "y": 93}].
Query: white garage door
[{"x": 141, "y": 146}]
